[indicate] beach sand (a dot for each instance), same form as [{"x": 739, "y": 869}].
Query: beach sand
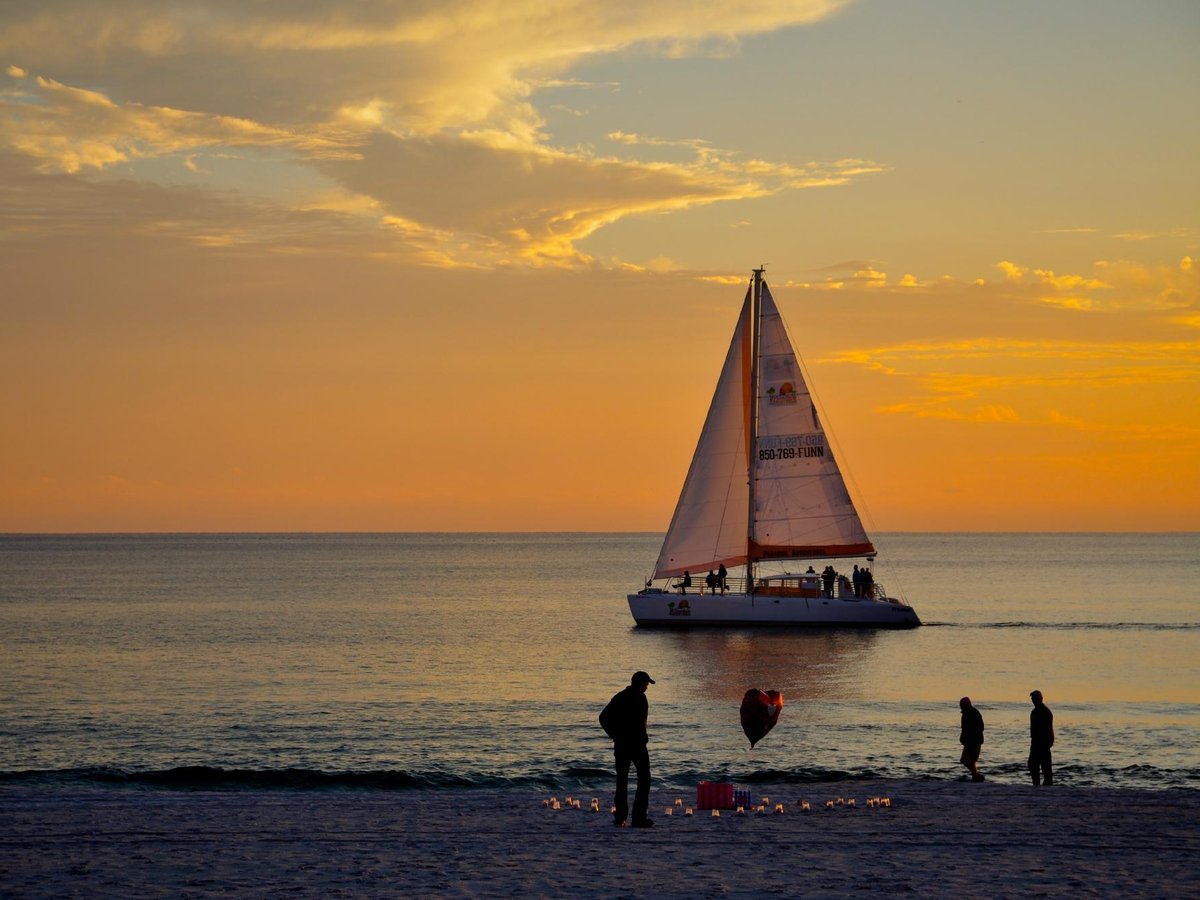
[{"x": 939, "y": 838}]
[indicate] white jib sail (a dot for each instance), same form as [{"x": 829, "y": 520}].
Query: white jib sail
[{"x": 710, "y": 522}]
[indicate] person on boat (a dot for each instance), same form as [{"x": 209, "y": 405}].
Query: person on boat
[
  {"x": 686, "y": 582},
  {"x": 711, "y": 580},
  {"x": 867, "y": 586},
  {"x": 1041, "y": 739},
  {"x": 856, "y": 580},
  {"x": 722, "y": 576},
  {"x": 827, "y": 579},
  {"x": 971, "y": 737},
  {"x": 624, "y": 720}
]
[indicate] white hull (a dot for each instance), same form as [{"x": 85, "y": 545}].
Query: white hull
[{"x": 673, "y": 609}]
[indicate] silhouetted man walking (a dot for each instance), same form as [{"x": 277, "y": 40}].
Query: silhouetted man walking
[
  {"x": 624, "y": 720},
  {"x": 971, "y": 737}
]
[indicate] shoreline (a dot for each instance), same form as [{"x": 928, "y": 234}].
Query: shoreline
[{"x": 938, "y": 837}]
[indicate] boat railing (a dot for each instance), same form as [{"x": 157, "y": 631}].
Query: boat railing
[
  {"x": 842, "y": 588},
  {"x": 733, "y": 585}
]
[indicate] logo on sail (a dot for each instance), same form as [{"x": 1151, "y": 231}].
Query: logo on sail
[{"x": 785, "y": 393}]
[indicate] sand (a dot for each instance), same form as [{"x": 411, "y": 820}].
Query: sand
[{"x": 940, "y": 838}]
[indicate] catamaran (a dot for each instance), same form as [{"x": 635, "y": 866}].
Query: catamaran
[{"x": 764, "y": 491}]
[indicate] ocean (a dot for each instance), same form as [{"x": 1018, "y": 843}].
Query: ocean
[{"x": 388, "y": 661}]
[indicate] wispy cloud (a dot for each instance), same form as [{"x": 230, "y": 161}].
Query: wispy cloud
[
  {"x": 428, "y": 109},
  {"x": 976, "y": 380},
  {"x": 67, "y": 129},
  {"x": 857, "y": 274},
  {"x": 1110, "y": 286}
]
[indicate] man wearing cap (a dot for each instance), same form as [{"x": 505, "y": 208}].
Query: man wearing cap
[
  {"x": 971, "y": 737},
  {"x": 1041, "y": 739},
  {"x": 624, "y": 720}
]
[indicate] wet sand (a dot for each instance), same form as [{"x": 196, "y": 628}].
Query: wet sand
[{"x": 945, "y": 838}]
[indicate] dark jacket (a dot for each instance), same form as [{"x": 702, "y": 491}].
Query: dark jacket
[
  {"x": 1041, "y": 727},
  {"x": 972, "y": 728},
  {"x": 624, "y": 719}
]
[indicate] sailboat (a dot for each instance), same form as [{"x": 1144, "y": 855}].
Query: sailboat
[{"x": 765, "y": 492}]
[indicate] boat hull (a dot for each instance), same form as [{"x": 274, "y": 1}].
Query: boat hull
[{"x": 676, "y": 611}]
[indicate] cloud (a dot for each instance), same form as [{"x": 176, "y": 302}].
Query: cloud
[
  {"x": 533, "y": 203},
  {"x": 381, "y": 97},
  {"x": 67, "y": 129},
  {"x": 978, "y": 380},
  {"x": 36, "y": 205},
  {"x": 1111, "y": 286},
  {"x": 858, "y": 274},
  {"x": 437, "y": 65}
]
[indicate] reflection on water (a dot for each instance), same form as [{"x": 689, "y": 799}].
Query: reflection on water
[{"x": 802, "y": 664}]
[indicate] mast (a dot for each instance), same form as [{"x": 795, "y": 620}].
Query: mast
[{"x": 752, "y": 420}]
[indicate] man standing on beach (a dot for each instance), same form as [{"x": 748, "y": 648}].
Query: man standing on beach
[
  {"x": 1041, "y": 739},
  {"x": 971, "y": 737},
  {"x": 624, "y": 720}
]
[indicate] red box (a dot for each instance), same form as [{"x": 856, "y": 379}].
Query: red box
[{"x": 714, "y": 795}]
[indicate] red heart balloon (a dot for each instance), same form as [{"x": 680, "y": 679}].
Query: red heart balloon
[{"x": 760, "y": 712}]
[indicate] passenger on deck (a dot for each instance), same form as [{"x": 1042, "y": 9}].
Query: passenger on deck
[
  {"x": 868, "y": 584},
  {"x": 722, "y": 575},
  {"x": 856, "y": 580},
  {"x": 711, "y": 580},
  {"x": 686, "y": 582},
  {"x": 827, "y": 579}
]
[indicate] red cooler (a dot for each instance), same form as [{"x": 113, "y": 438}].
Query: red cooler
[{"x": 714, "y": 795}]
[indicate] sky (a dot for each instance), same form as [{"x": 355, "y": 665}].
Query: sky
[{"x": 474, "y": 264}]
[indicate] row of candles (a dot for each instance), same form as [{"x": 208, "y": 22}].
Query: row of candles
[
  {"x": 572, "y": 803},
  {"x": 760, "y": 809}
]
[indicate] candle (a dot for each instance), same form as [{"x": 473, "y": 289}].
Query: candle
[
  {"x": 678, "y": 801},
  {"x": 850, "y": 802},
  {"x": 886, "y": 801},
  {"x": 741, "y": 810},
  {"x": 805, "y": 806},
  {"x": 716, "y": 814},
  {"x": 688, "y": 811},
  {"x": 669, "y": 811},
  {"x": 829, "y": 804},
  {"x": 778, "y": 808}
]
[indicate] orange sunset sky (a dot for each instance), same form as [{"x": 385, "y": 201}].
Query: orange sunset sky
[{"x": 474, "y": 264}]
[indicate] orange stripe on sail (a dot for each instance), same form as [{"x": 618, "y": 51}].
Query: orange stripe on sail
[
  {"x": 811, "y": 551},
  {"x": 747, "y": 366}
]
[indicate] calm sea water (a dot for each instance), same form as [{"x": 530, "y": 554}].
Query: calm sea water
[{"x": 455, "y": 660}]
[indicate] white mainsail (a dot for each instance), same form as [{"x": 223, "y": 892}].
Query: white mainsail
[{"x": 801, "y": 505}]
